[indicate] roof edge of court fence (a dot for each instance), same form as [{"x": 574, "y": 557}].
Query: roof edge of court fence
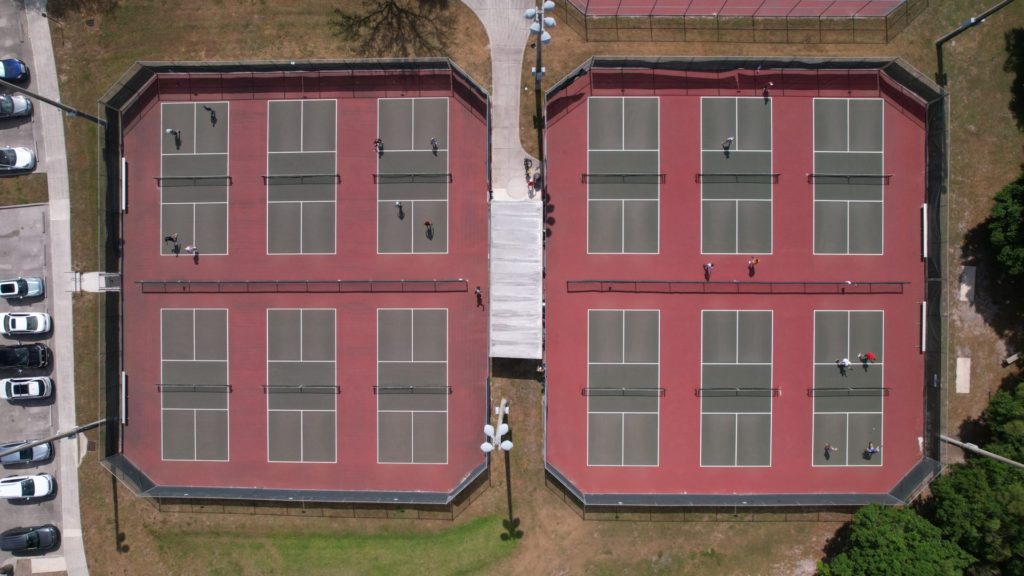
[
  {"x": 902, "y": 493},
  {"x": 896, "y": 68},
  {"x": 141, "y": 485},
  {"x": 122, "y": 92}
]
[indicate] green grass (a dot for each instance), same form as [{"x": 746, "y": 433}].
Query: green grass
[
  {"x": 469, "y": 548},
  {"x": 27, "y": 189}
]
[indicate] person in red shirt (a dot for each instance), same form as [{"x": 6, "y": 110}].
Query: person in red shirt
[{"x": 868, "y": 357}]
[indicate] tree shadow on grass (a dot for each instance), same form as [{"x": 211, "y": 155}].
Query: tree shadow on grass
[
  {"x": 397, "y": 27},
  {"x": 61, "y": 8},
  {"x": 838, "y": 542},
  {"x": 1015, "y": 64},
  {"x": 996, "y": 294}
]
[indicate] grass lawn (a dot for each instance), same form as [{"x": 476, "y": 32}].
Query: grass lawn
[
  {"x": 27, "y": 189},
  {"x": 464, "y": 549},
  {"x": 125, "y": 535}
]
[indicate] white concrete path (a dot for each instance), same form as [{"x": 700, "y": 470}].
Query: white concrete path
[
  {"x": 55, "y": 165},
  {"x": 509, "y": 33}
]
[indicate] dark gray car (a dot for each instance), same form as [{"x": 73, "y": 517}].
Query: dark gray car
[{"x": 37, "y": 539}]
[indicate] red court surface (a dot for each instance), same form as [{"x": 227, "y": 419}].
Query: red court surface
[
  {"x": 356, "y": 259},
  {"x": 792, "y": 259},
  {"x": 739, "y": 8}
]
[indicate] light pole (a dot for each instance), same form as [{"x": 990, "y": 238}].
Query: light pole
[
  {"x": 940, "y": 74},
  {"x": 537, "y": 28},
  {"x": 494, "y": 434}
]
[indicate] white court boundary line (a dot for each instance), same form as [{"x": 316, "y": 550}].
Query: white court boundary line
[
  {"x": 814, "y": 188},
  {"x": 736, "y": 421},
  {"x": 846, "y": 415},
  {"x": 302, "y": 411},
  {"x": 447, "y": 187},
  {"x": 621, "y": 201},
  {"x": 227, "y": 189},
  {"x": 302, "y": 208},
  {"x": 412, "y": 413},
  {"x": 227, "y": 395},
  {"x": 622, "y": 420},
  {"x": 736, "y": 201}
]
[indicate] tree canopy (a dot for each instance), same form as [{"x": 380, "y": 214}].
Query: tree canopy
[
  {"x": 1006, "y": 228},
  {"x": 1004, "y": 418},
  {"x": 980, "y": 506},
  {"x": 896, "y": 542}
]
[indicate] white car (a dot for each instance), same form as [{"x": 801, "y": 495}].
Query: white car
[
  {"x": 18, "y": 288},
  {"x": 26, "y": 388},
  {"x": 16, "y": 323},
  {"x": 17, "y": 159},
  {"x": 35, "y": 486}
]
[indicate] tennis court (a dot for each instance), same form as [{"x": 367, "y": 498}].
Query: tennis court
[
  {"x": 412, "y": 386},
  {"x": 194, "y": 388},
  {"x": 848, "y": 401},
  {"x": 736, "y": 178},
  {"x": 622, "y": 177},
  {"x": 623, "y": 391},
  {"x": 849, "y": 176},
  {"x": 194, "y": 178},
  {"x": 302, "y": 176},
  {"x": 302, "y": 385},
  {"x": 736, "y": 388},
  {"x": 412, "y": 175}
]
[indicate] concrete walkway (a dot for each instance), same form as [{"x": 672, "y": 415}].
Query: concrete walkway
[
  {"x": 55, "y": 165},
  {"x": 509, "y": 33}
]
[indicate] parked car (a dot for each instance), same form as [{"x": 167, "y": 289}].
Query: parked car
[
  {"x": 13, "y": 70},
  {"x": 34, "y": 486},
  {"x": 22, "y": 288},
  {"x": 26, "y": 388},
  {"x": 40, "y": 453},
  {"x": 24, "y": 356},
  {"x": 18, "y": 323},
  {"x": 15, "y": 105},
  {"x": 35, "y": 539},
  {"x": 17, "y": 159}
]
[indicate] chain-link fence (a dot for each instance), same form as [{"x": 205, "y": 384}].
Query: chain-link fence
[
  {"x": 653, "y": 22},
  {"x": 146, "y": 84}
]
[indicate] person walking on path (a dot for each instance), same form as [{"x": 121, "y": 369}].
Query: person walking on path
[
  {"x": 752, "y": 265},
  {"x": 708, "y": 267},
  {"x": 868, "y": 357},
  {"x": 479, "y": 297}
]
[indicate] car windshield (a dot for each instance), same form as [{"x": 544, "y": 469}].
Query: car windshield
[
  {"x": 31, "y": 323},
  {"x": 13, "y": 355},
  {"x": 8, "y": 157},
  {"x": 32, "y": 539},
  {"x": 9, "y": 323},
  {"x": 28, "y": 487},
  {"x": 6, "y": 104}
]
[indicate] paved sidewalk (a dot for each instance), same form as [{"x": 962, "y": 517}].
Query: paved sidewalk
[
  {"x": 59, "y": 292},
  {"x": 509, "y": 33}
]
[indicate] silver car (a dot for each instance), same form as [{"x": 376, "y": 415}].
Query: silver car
[
  {"x": 26, "y": 388},
  {"x": 14, "y": 105},
  {"x": 22, "y": 288},
  {"x": 40, "y": 453}
]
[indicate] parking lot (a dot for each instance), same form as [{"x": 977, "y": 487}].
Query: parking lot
[
  {"x": 15, "y": 44},
  {"x": 24, "y": 242}
]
